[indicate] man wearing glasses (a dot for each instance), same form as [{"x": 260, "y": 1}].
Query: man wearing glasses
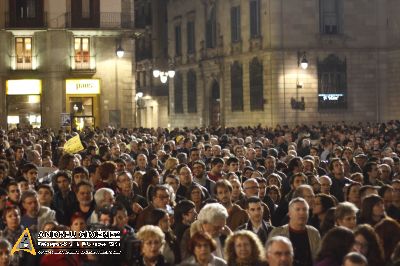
[{"x": 279, "y": 251}]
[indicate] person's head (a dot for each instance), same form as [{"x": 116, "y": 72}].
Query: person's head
[
  {"x": 5, "y": 252},
  {"x": 79, "y": 174},
  {"x": 104, "y": 215},
  {"x": 161, "y": 196},
  {"x": 251, "y": 187},
  {"x": 223, "y": 191},
  {"x": 201, "y": 245},
  {"x": 104, "y": 197},
  {"x": 125, "y": 182},
  {"x": 298, "y": 213},
  {"x": 367, "y": 190},
  {"x": 336, "y": 167},
  {"x": 279, "y": 251},
  {"x": 30, "y": 172},
  {"x": 160, "y": 218},
  {"x": 243, "y": 246},
  {"x": 353, "y": 193},
  {"x": 345, "y": 215},
  {"x": 173, "y": 181},
  {"x": 388, "y": 231},
  {"x": 322, "y": 203},
  {"x": 336, "y": 244},
  {"x": 367, "y": 243},
  {"x": 107, "y": 170},
  {"x": 185, "y": 176},
  {"x": 141, "y": 161},
  {"x": 66, "y": 162},
  {"x": 370, "y": 171},
  {"x": 274, "y": 179},
  {"x": 357, "y": 177},
  {"x": 386, "y": 193},
  {"x": 63, "y": 181},
  {"x": 185, "y": 212},
  {"x": 212, "y": 218},
  {"x": 355, "y": 259},
  {"x": 216, "y": 165},
  {"x": 326, "y": 184},
  {"x": 195, "y": 193},
  {"x": 30, "y": 203},
  {"x": 13, "y": 192},
  {"x": 152, "y": 239},
  {"x": 306, "y": 192},
  {"x": 233, "y": 164},
  {"x": 255, "y": 210},
  {"x": 119, "y": 216},
  {"x": 297, "y": 180},
  {"x": 372, "y": 209},
  {"x": 45, "y": 195},
  {"x": 78, "y": 222},
  {"x": 84, "y": 193},
  {"x": 12, "y": 217}
]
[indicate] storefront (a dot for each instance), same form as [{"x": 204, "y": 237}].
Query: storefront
[
  {"x": 82, "y": 96},
  {"x": 23, "y": 103}
]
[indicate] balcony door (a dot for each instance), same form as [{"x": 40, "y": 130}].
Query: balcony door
[
  {"x": 85, "y": 14},
  {"x": 26, "y": 13}
]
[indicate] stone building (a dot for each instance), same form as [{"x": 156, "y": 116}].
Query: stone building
[
  {"x": 239, "y": 62},
  {"x": 59, "y": 63}
]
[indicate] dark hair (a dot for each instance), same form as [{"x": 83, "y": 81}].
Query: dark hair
[
  {"x": 28, "y": 166},
  {"x": 223, "y": 183},
  {"x": 201, "y": 237},
  {"x": 80, "y": 170},
  {"x": 375, "y": 253},
  {"x": 329, "y": 221},
  {"x": 388, "y": 231},
  {"x": 366, "y": 208},
  {"x": 327, "y": 201},
  {"x": 48, "y": 187},
  {"x": 8, "y": 209},
  {"x": 114, "y": 209},
  {"x": 77, "y": 215},
  {"x": 192, "y": 187},
  {"x": 183, "y": 207},
  {"x": 155, "y": 216},
  {"x": 252, "y": 199},
  {"x": 336, "y": 244}
]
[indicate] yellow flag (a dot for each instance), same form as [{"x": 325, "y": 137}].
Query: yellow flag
[
  {"x": 73, "y": 145},
  {"x": 24, "y": 243}
]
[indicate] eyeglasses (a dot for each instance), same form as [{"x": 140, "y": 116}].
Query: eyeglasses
[
  {"x": 253, "y": 187},
  {"x": 281, "y": 253}
]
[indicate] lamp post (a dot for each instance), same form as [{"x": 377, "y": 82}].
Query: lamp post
[
  {"x": 164, "y": 72},
  {"x": 302, "y": 60}
]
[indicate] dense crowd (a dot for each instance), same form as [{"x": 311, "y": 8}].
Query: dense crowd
[{"x": 322, "y": 195}]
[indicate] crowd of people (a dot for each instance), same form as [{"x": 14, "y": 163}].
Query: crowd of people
[{"x": 325, "y": 195}]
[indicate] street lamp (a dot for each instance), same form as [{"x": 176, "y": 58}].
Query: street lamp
[
  {"x": 120, "y": 52},
  {"x": 163, "y": 75},
  {"x": 302, "y": 60}
]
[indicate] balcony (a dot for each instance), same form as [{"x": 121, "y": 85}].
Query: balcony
[
  {"x": 83, "y": 65},
  {"x": 14, "y": 21},
  {"x": 105, "y": 20},
  {"x": 24, "y": 63}
]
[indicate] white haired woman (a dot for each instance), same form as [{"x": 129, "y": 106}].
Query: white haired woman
[
  {"x": 153, "y": 240},
  {"x": 212, "y": 220}
]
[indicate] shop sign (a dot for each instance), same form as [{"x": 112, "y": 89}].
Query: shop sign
[{"x": 82, "y": 86}]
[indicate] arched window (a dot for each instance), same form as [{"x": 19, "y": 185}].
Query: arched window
[
  {"x": 236, "y": 87},
  {"x": 191, "y": 92},
  {"x": 256, "y": 85},
  {"x": 332, "y": 83},
  {"x": 178, "y": 93}
]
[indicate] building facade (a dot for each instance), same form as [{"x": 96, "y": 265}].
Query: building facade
[
  {"x": 59, "y": 63},
  {"x": 239, "y": 62}
]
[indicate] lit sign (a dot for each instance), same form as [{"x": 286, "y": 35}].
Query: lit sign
[
  {"x": 82, "y": 86},
  {"x": 330, "y": 97},
  {"x": 23, "y": 86}
]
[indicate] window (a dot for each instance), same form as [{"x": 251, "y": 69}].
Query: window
[
  {"x": 82, "y": 53},
  {"x": 256, "y": 86},
  {"x": 329, "y": 16},
  {"x": 23, "y": 52},
  {"x": 26, "y": 9},
  {"x": 191, "y": 92},
  {"x": 178, "y": 93},
  {"x": 190, "y": 37},
  {"x": 178, "y": 40},
  {"x": 332, "y": 83},
  {"x": 236, "y": 87},
  {"x": 254, "y": 18},
  {"x": 235, "y": 23},
  {"x": 211, "y": 27},
  {"x": 85, "y": 8}
]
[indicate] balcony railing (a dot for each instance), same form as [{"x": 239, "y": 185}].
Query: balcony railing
[
  {"x": 79, "y": 63},
  {"x": 13, "y": 21},
  {"x": 23, "y": 62},
  {"x": 108, "y": 20}
]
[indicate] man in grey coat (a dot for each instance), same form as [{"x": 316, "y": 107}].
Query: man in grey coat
[{"x": 305, "y": 239}]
